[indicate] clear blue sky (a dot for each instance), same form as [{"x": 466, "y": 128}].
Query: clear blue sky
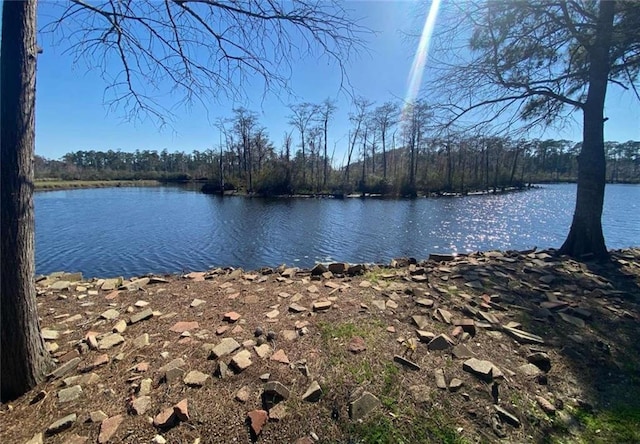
[{"x": 71, "y": 115}]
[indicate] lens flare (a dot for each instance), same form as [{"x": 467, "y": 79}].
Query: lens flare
[{"x": 420, "y": 58}]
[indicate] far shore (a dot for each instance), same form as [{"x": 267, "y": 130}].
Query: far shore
[{"x": 57, "y": 185}]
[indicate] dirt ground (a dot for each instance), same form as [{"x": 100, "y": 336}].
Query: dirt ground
[{"x": 487, "y": 347}]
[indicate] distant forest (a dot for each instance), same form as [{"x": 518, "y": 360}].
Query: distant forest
[{"x": 379, "y": 159}]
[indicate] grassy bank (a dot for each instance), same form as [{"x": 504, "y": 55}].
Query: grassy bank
[{"x": 52, "y": 185}]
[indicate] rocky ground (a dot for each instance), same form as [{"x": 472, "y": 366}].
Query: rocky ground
[{"x": 513, "y": 347}]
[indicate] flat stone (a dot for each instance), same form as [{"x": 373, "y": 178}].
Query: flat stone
[
  {"x": 461, "y": 351},
  {"x": 425, "y": 336},
  {"x": 60, "y": 285},
  {"x": 145, "y": 387},
  {"x": 177, "y": 363},
  {"x": 443, "y": 315},
  {"x": 100, "y": 360},
  {"x": 529, "y": 370},
  {"x": 422, "y": 322},
  {"x": 440, "y": 342},
  {"x": 243, "y": 394},
  {"x": 111, "y": 284},
  {"x": 141, "y": 405},
  {"x": 423, "y": 302},
  {"x": 195, "y": 378},
  {"x": 405, "y": 362},
  {"x": 110, "y": 314},
  {"x": 258, "y": 418},
  {"x": 141, "y": 341},
  {"x": 49, "y": 335},
  {"x": 297, "y": 308},
  {"x": 263, "y": 350},
  {"x": 137, "y": 284},
  {"x": 468, "y": 325},
  {"x": 506, "y": 416},
  {"x": 165, "y": 418},
  {"x": 455, "y": 384},
  {"x": 159, "y": 439},
  {"x": 38, "y": 438},
  {"x": 181, "y": 410},
  {"x": 173, "y": 374},
  {"x": 69, "y": 394},
  {"x": 120, "y": 327},
  {"x": 278, "y": 412},
  {"x": 141, "y": 316},
  {"x": 61, "y": 424},
  {"x": 241, "y": 360},
  {"x": 380, "y": 304},
  {"x": 72, "y": 319},
  {"x": 231, "y": 316},
  {"x": 273, "y": 314},
  {"x": 546, "y": 406},
  {"x": 523, "y": 336},
  {"x": 65, "y": 368},
  {"x": 318, "y": 270},
  {"x": 182, "y": 326},
  {"x": 338, "y": 267},
  {"x": 275, "y": 391},
  {"x": 313, "y": 393},
  {"x": 485, "y": 370},
  {"x": 357, "y": 345},
  {"x": 280, "y": 356},
  {"x": 441, "y": 383},
  {"x": 197, "y": 303},
  {"x": 573, "y": 320},
  {"x": 321, "y": 305},
  {"x": 110, "y": 340},
  {"x": 363, "y": 406},
  {"x": 225, "y": 347}
]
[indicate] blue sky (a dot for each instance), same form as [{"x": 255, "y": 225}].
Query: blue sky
[{"x": 71, "y": 114}]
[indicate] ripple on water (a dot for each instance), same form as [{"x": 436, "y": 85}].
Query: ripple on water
[{"x": 128, "y": 231}]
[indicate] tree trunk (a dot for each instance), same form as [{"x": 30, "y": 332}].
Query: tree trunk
[
  {"x": 585, "y": 236},
  {"x": 24, "y": 358},
  {"x": 384, "y": 155}
]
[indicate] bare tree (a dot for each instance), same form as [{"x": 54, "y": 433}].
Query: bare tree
[
  {"x": 357, "y": 118},
  {"x": 301, "y": 117},
  {"x": 385, "y": 116},
  {"x": 536, "y": 62},
  {"x": 199, "y": 49},
  {"x": 325, "y": 111}
]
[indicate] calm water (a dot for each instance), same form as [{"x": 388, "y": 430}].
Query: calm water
[{"x": 134, "y": 231}]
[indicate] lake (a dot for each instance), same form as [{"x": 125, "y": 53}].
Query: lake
[{"x": 134, "y": 231}]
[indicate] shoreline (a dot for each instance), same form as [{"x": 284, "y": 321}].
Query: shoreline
[
  {"x": 62, "y": 185},
  {"x": 352, "y": 268}
]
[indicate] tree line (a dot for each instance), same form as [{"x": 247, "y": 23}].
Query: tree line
[{"x": 387, "y": 152}]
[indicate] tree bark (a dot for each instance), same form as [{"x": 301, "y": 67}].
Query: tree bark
[
  {"x": 585, "y": 236},
  {"x": 24, "y": 358}
]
